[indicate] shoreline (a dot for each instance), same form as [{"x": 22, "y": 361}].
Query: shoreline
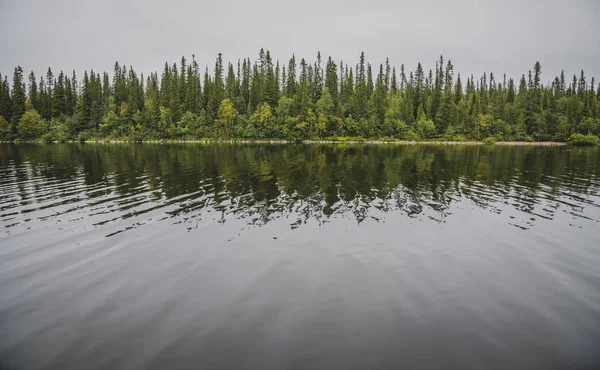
[{"x": 275, "y": 141}]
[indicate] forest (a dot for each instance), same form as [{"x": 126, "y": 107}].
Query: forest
[{"x": 300, "y": 100}]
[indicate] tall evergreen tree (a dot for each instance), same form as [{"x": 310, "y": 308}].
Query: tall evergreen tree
[
  {"x": 17, "y": 98},
  {"x": 5, "y": 99},
  {"x": 331, "y": 80},
  {"x": 33, "y": 91}
]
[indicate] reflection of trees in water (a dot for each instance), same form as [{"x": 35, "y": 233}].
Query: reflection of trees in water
[{"x": 311, "y": 182}]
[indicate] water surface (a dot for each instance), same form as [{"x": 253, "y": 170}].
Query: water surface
[{"x": 299, "y": 257}]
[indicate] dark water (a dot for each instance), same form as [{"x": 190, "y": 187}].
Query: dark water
[{"x": 299, "y": 257}]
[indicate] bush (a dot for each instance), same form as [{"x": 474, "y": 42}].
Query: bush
[
  {"x": 410, "y": 135},
  {"x": 525, "y": 138},
  {"x": 29, "y": 126},
  {"x": 425, "y": 128},
  {"x": 47, "y": 138},
  {"x": 583, "y": 140},
  {"x": 455, "y": 137},
  {"x": 489, "y": 140},
  {"x": 4, "y": 129},
  {"x": 138, "y": 137},
  {"x": 84, "y": 136},
  {"x": 350, "y": 138},
  {"x": 57, "y": 131}
]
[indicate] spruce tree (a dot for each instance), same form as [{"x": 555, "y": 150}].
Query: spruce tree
[
  {"x": 5, "y": 99},
  {"x": 331, "y": 80},
  {"x": 33, "y": 91},
  {"x": 59, "y": 97},
  {"x": 18, "y": 98}
]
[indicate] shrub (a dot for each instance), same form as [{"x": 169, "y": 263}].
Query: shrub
[
  {"x": 84, "y": 136},
  {"x": 350, "y": 138},
  {"x": 454, "y": 137},
  {"x": 425, "y": 128},
  {"x": 29, "y": 125},
  {"x": 47, "y": 137},
  {"x": 4, "y": 129},
  {"x": 57, "y": 131},
  {"x": 138, "y": 137},
  {"x": 583, "y": 140},
  {"x": 410, "y": 135},
  {"x": 489, "y": 140},
  {"x": 525, "y": 138}
]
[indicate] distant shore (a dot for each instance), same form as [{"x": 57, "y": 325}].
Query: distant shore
[{"x": 274, "y": 141}]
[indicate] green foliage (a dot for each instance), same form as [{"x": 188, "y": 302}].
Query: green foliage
[
  {"x": 583, "y": 140},
  {"x": 454, "y": 137},
  {"x": 410, "y": 135},
  {"x": 47, "y": 138},
  {"x": 589, "y": 125},
  {"x": 188, "y": 125},
  {"x": 4, "y": 129},
  {"x": 84, "y": 136},
  {"x": 166, "y": 125},
  {"x": 304, "y": 100},
  {"x": 57, "y": 131},
  {"x": 18, "y": 97},
  {"x": 30, "y": 125},
  {"x": 110, "y": 124},
  {"x": 490, "y": 140},
  {"x": 226, "y": 116},
  {"x": 425, "y": 128},
  {"x": 483, "y": 123},
  {"x": 350, "y": 138}
]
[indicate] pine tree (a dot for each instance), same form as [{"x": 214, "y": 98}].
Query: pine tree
[
  {"x": 255, "y": 90},
  {"x": 379, "y": 99},
  {"x": 119, "y": 84},
  {"x": 5, "y": 99},
  {"x": 69, "y": 97},
  {"x": 43, "y": 99},
  {"x": 270, "y": 93},
  {"x": 85, "y": 108},
  {"x": 419, "y": 88},
  {"x": 59, "y": 97},
  {"x": 291, "y": 88},
  {"x": 331, "y": 81},
  {"x": 317, "y": 85},
  {"x": 362, "y": 93},
  {"x": 174, "y": 98},
  {"x": 49, "y": 92},
  {"x": 230, "y": 84},
  {"x": 207, "y": 93},
  {"x": 387, "y": 74},
  {"x": 394, "y": 83},
  {"x": 18, "y": 98},
  {"x": 33, "y": 91},
  {"x": 304, "y": 99}
]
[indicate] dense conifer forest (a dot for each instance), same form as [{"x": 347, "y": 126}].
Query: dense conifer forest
[{"x": 297, "y": 100}]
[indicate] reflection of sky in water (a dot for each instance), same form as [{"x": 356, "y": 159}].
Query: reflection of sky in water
[{"x": 274, "y": 257}]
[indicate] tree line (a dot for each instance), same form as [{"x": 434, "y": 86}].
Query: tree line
[{"x": 262, "y": 99}]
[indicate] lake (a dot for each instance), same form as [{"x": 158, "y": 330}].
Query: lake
[{"x": 220, "y": 256}]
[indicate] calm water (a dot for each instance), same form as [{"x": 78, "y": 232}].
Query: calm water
[{"x": 299, "y": 257}]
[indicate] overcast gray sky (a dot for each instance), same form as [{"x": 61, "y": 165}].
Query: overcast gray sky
[{"x": 498, "y": 36}]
